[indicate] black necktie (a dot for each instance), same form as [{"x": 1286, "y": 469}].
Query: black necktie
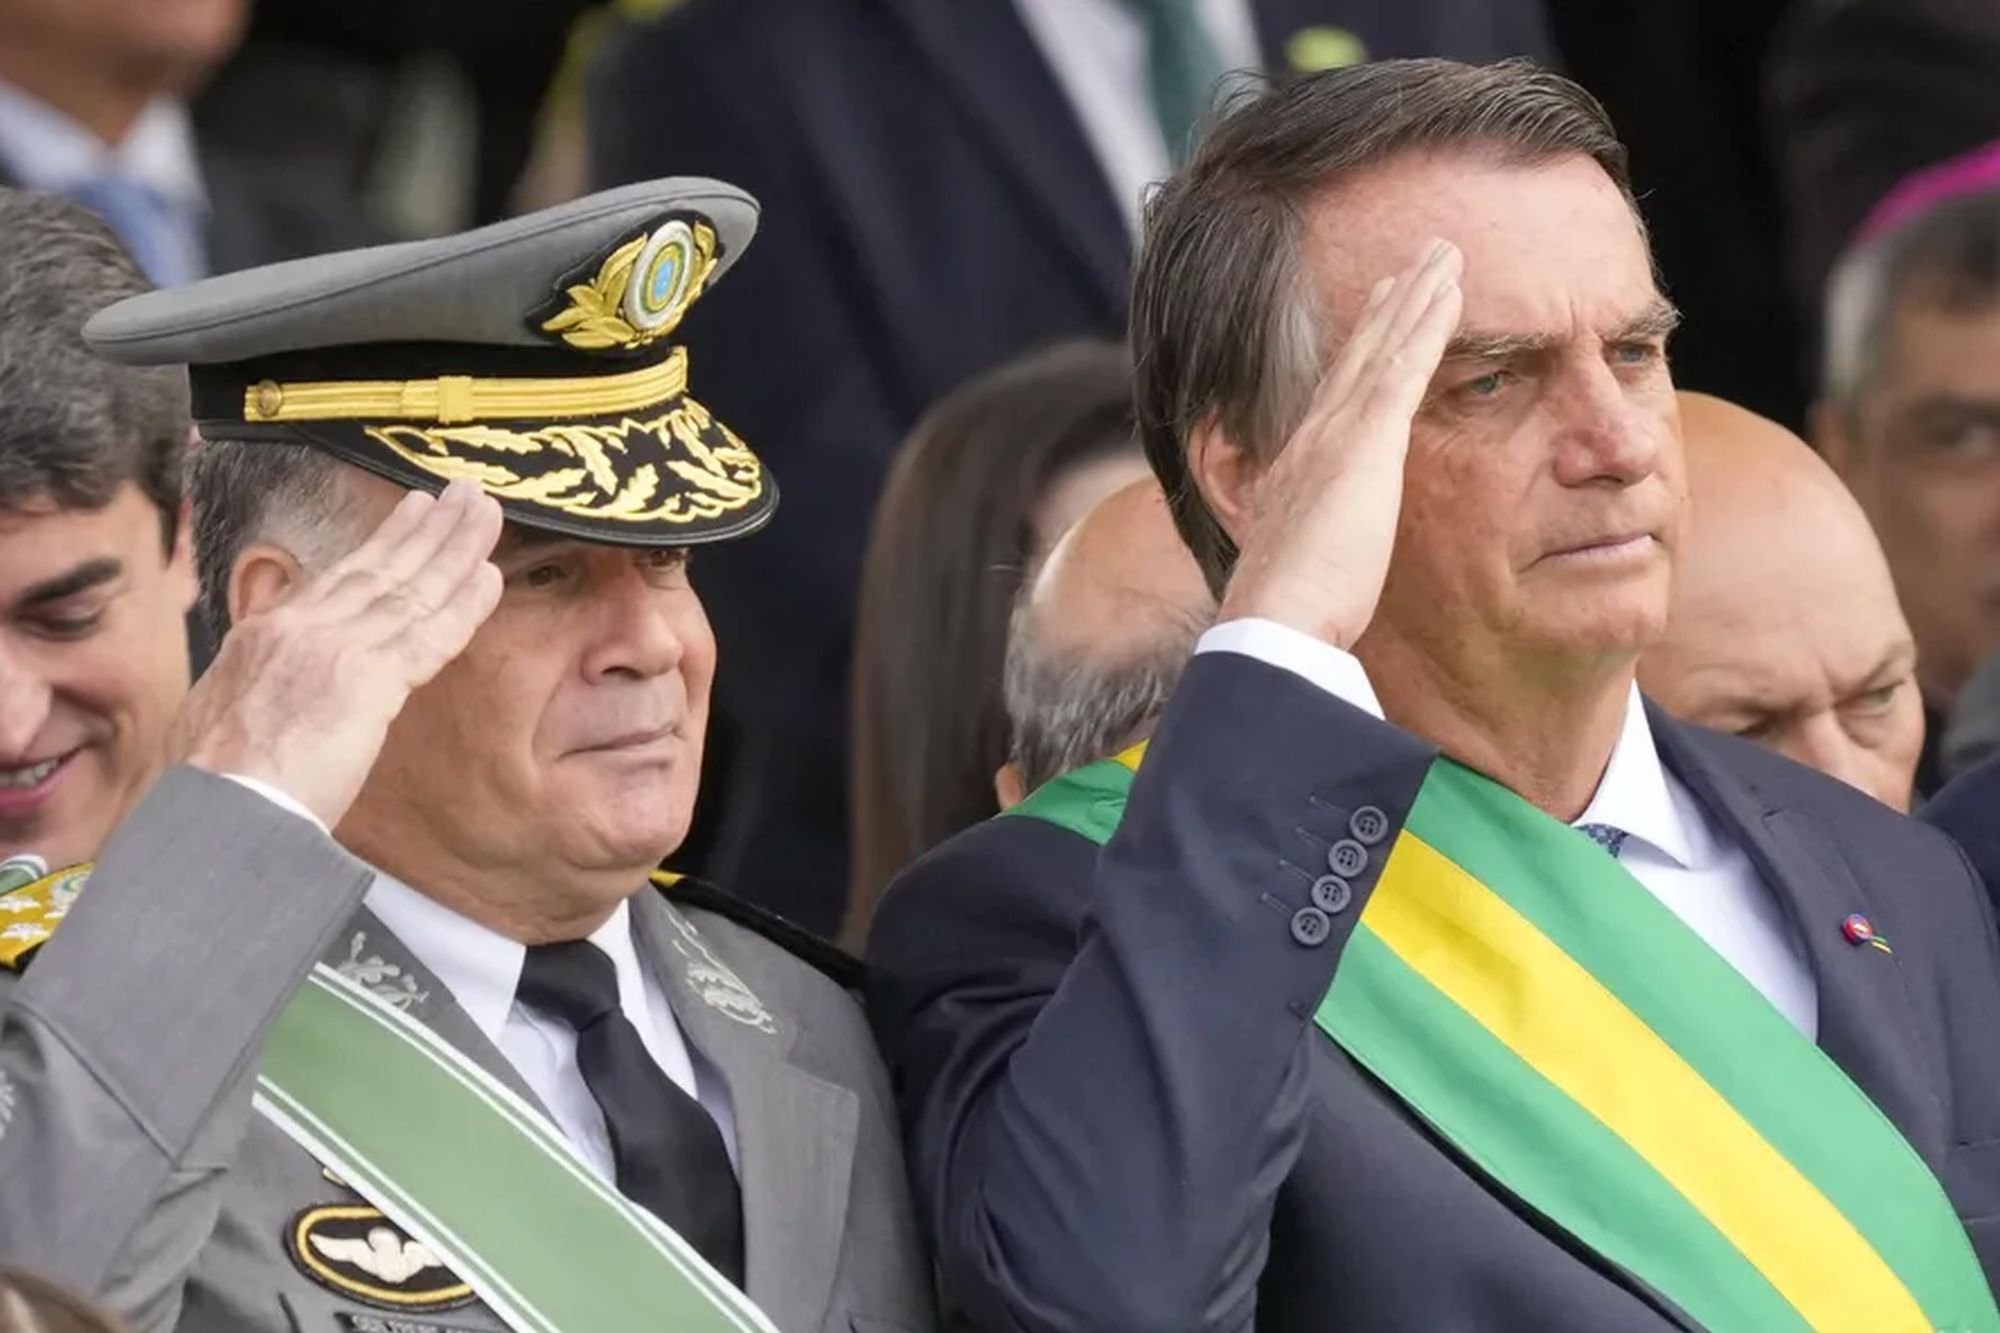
[{"x": 669, "y": 1154}]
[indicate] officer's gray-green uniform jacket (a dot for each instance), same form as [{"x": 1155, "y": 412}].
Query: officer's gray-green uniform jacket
[{"x": 132, "y": 1166}]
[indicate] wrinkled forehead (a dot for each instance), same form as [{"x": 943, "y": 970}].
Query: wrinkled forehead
[
  {"x": 1550, "y": 248},
  {"x": 1781, "y": 620}
]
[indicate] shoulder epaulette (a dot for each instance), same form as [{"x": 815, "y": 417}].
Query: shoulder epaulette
[
  {"x": 30, "y": 913},
  {"x": 687, "y": 891}
]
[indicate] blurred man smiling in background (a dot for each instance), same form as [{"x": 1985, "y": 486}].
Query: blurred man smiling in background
[{"x": 95, "y": 573}]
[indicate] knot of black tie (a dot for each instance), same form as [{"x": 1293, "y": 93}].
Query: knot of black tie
[{"x": 575, "y": 981}]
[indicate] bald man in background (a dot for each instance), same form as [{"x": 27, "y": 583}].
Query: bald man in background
[
  {"x": 1099, "y": 638},
  {"x": 1785, "y": 627}
]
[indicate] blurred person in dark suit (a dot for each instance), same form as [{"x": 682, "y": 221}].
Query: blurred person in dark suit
[
  {"x": 1972, "y": 732},
  {"x": 320, "y": 87},
  {"x": 1969, "y": 810},
  {"x": 1909, "y": 415},
  {"x": 1861, "y": 94},
  {"x": 1684, "y": 83},
  {"x": 949, "y": 184},
  {"x": 1099, "y": 639},
  {"x": 93, "y": 106},
  {"x": 1784, "y": 628},
  {"x": 990, "y": 478}
]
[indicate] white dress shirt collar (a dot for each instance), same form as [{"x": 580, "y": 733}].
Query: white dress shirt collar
[
  {"x": 46, "y": 149},
  {"x": 482, "y": 970},
  {"x": 1634, "y": 795},
  {"x": 1673, "y": 848},
  {"x": 479, "y": 966}
]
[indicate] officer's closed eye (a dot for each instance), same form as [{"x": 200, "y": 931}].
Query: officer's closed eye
[
  {"x": 545, "y": 574},
  {"x": 668, "y": 562}
]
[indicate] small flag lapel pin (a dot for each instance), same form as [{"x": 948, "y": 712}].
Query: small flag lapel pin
[{"x": 1859, "y": 931}]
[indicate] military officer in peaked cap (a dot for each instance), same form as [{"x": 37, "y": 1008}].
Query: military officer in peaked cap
[{"x": 372, "y": 1015}]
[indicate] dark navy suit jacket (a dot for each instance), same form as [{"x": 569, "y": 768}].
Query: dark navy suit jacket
[
  {"x": 931, "y": 208},
  {"x": 1121, "y": 1118},
  {"x": 1969, "y": 810}
]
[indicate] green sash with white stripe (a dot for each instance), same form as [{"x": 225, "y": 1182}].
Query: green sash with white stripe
[
  {"x": 456, "y": 1159},
  {"x": 448, "y": 1153},
  {"x": 1530, "y": 1000}
]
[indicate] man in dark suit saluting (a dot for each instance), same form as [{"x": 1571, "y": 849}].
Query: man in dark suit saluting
[
  {"x": 1427, "y": 977},
  {"x": 950, "y": 184}
]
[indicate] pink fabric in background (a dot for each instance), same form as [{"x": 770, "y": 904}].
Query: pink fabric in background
[{"x": 1921, "y": 191}]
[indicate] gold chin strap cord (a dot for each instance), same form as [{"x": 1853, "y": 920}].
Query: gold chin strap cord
[{"x": 452, "y": 400}]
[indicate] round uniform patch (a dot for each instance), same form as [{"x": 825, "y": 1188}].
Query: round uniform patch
[
  {"x": 356, "y": 1251},
  {"x": 659, "y": 287}
]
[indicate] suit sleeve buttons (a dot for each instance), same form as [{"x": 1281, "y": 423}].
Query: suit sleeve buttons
[
  {"x": 1347, "y": 858},
  {"x": 1310, "y": 927},
  {"x": 1331, "y": 894},
  {"x": 1369, "y": 825}
]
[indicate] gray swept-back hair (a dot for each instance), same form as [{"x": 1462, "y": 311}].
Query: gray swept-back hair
[
  {"x": 287, "y": 494},
  {"x": 1068, "y": 708},
  {"x": 1224, "y": 325}
]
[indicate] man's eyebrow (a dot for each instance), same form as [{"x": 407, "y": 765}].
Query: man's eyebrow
[
  {"x": 1900, "y": 658},
  {"x": 87, "y": 575},
  {"x": 1479, "y": 345},
  {"x": 1657, "y": 320},
  {"x": 515, "y": 538},
  {"x": 1982, "y": 409}
]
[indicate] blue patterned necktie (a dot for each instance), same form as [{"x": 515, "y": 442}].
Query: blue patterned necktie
[
  {"x": 146, "y": 221},
  {"x": 1605, "y": 836},
  {"x": 1182, "y": 66}
]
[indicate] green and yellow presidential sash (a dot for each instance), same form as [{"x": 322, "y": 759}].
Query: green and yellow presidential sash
[
  {"x": 486, "y": 1185},
  {"x": 1528, "y": 998}
]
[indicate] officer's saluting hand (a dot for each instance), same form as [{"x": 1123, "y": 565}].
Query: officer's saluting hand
[{"x": 303, "y": 689}]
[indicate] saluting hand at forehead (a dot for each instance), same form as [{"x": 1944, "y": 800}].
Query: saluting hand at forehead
[
  {"x": 1323, "y": 518},
  {"x": 301, "y": 694}
]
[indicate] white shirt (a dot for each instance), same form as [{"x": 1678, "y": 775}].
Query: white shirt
[
  {"x": 1097, "y": 50},
  {"x": 1672, "y": 847},
  {"x": 482, "y": 969},
  {"x": 44, "y": 149}
]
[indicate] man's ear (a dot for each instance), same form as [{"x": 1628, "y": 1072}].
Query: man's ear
[
  {"x": 1226, "y": 475},
  {"x": 265, "y": 576},
  {"x": 1007, "y": 786}
]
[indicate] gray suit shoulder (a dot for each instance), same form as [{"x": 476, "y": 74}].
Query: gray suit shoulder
[
  {"x": 812, "y": 983},
  {"x": 695, "y": 895}
]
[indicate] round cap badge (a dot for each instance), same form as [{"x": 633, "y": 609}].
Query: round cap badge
[{"x": 661, "y": 277}]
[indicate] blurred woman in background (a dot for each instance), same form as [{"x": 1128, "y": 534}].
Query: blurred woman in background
[{"x": 986, "y": 482}]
